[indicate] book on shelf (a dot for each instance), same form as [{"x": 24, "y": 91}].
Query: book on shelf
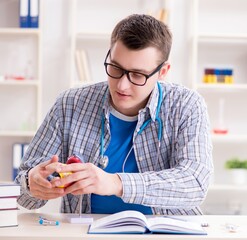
[
  {"x": 34, "y": 14},
  {"x": 29, "y": 13},
  {"x": 9, "y": 190},
  {"x": 19, "y": 150},
  {"x": 24, "y": 9},
  {"x": 82, "y": 65},
  {"x": 162, "y": 15},
  {"x": 134, "y": 222},
  {"x": 79, "y": 66},
  {"x": 9, "y": 218}
]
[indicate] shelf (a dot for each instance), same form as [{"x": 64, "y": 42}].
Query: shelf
[
  {"x": 17, "y": 133},
  {"x": 85, "y": 83},
  {"x": 20, "y": 100},
  {"x": 93, "y": 36},
  {"x": 229, "y": 138},
  {"x": 19, "y": 83},
  {"x": 227, "y": 187},
  {"x": 207, "y": 37},
  {"x": 19, "y": 31},
  {"x": 221, "y": 87}
]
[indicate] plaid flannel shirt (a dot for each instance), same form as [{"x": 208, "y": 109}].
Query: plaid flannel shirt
[{"x": 176, "y": 184}]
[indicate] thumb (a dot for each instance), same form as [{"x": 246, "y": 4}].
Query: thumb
[{"x": 54, "y": 159}]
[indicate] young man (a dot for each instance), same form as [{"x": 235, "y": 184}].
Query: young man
[{"x": 145, "y": 144}]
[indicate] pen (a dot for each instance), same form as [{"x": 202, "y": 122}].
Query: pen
[
  {"x": 80, "y": 206},
  {"x": 46, "y": 222}
]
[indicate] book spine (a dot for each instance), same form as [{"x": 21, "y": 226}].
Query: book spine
[
  {"x": 17, "y": 154},
  {"x": 85, "y": 65},
  {"x": 24, "y": 6},
  {"x": 79, "y": 66},
  {"x": 82, "y": 65},
  {"x": 34, "y": 14}
]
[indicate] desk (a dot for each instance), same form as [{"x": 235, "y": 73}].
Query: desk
[{"x": 29, "y": 228}]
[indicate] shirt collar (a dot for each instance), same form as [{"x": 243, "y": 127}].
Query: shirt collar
[{"x": 150, "y": 108}]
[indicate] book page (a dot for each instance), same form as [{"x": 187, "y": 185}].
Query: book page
[
  {"x": 121, "y": 222},
  {"x": 118, "y": 229},
  {"x": 170, "y": 225}
]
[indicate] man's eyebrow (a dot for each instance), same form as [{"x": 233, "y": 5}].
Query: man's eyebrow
[{"x": 132, "y": 70}]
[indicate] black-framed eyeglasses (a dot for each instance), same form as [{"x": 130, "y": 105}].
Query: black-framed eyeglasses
[{"x": 136, "y": 78}]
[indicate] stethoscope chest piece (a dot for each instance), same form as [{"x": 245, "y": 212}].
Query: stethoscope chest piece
[{"x": 103, "y": 162}]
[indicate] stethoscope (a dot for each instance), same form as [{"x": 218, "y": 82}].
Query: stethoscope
[{"x": 104, "y": 160}]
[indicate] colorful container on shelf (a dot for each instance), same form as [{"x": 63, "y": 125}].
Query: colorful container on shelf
[{"x": 213, "y": 75}]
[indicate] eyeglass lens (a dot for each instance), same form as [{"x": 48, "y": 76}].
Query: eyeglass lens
[{"x": 116, "y": 72}]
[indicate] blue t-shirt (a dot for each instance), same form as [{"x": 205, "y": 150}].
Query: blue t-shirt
[{"x": 122, "y": 129}]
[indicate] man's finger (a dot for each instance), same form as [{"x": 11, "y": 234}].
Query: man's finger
[
  {"x": 41, "y": 181},
  {"x": 54, "y": 167},
  {"x": 53, "y": 159}
]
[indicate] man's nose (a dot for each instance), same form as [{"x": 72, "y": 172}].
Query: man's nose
[{"x": 123, "y": 82}]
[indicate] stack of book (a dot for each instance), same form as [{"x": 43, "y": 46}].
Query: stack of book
[{"x": 8, "y": 204}]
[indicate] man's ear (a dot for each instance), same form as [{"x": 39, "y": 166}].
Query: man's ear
[{"x": 164, "y": 70}]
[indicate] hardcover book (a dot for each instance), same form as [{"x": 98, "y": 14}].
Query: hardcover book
[
  {"x": 7, "y": 203},
  {"x": 134, "y": 222},
  {"x": 8, "y": 218},
  {"x": 9, "y": 190}
]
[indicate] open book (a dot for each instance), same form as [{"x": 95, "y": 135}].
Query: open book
[{"x": 132, "y": 222}]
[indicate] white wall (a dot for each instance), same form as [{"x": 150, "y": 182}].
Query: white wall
[
  {"x": 55, "y": 74},
  {"x": 56, "y": 46}
]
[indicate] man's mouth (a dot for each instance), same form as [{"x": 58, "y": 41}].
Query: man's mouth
[{"x": 123, "y": 94}]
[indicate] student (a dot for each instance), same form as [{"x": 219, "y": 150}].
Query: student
[{"x": 145, "y": 143}]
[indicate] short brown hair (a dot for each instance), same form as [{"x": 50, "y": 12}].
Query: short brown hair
[{"x": 139, "y": 31}]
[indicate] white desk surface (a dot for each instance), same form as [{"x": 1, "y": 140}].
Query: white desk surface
[{"x": 29, "y": 228}]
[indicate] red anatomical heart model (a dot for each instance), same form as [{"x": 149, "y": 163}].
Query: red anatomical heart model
[{"x": 73, "y": 159}]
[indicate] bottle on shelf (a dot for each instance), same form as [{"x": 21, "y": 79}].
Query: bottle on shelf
[{"x": 220, "y": 128}]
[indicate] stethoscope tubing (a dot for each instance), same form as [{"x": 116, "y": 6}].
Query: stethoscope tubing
[{"x": 104, "y": 159}]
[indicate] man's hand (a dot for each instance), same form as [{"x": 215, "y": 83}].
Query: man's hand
[
  {"x": 87, "y": 178},
  {"x": 39, "y": 186}
]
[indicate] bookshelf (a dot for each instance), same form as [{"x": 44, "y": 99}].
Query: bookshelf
[
  {"x": 87, "y": 33},
  {"x": 20, "y": 83},
  {"x": 233, "y": 202},
  {"x": 220, "y": 41}
]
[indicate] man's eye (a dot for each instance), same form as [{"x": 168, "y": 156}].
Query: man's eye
[
  {"x": 115, "y": 68},
  {"x": 136, "y": 75}
]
